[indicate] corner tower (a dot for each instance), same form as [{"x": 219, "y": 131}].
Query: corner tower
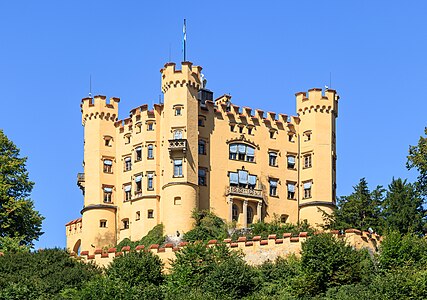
[
  {"x": 99, "y": 210},
  {"x": 317, "y": 153},
  {"x": 179, "y": 141}
]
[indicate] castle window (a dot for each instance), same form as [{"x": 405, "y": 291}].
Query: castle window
[
  {"x": 103, "y": 223},
  {"x": 177, "y": 168},
  {"x": 177, "y": 134},
  {"x": 201, "y": 121},
  {"x": 138, "y": 216},
  {"x": 202, "y": 147},
  {"x": 202, "y": 177},
  {"x": 307, "y": 161},
  {"x": 128, "y": 164},
  {"x": 249, "y": 215},
  {"x": 272, "y": 134},
  {"x": 232, "y": 127},
  {"x": 240, "y": 129},
  {"x": 307, "y": 135},
  {"x": 127, "y": 139},
  {"x": 150, "y": 152},
  {"x": 291, "y": 190},
  {"x": 108, "y": 194},
  {"x": 150, "y": 214},
  {"x": 284, "y": 218},
  {"x": 108, "y": 141},
  {"x": 138, "y": 128},
  {"x": 128, "y": 192},
  {"x": 291, "y": 162},
  {"x": 272, "y": 159},
  {"x": 150, "y": 178},
  {"x": 125, "y": 224},
  {"x": 242, "y": 179},
  {"x": 138, "y": 153},
  {"x": 150, "y": 126},
  {"x": 178, "y": 111},
  {"x": 307, "y": 190},
  {"x": 249, "y": 130},
  {"x": 177, "y": 201},
  {"x": 273, "y": 187},
  {"x": 138, "y": 183},
  {"x": 291, "y": 137},
  {"x": 235, "y": 213},
  {"x": 108, "y": 166},
  {"x": 241, "y": 152}
]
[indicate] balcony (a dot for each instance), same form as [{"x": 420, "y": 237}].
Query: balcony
[
  {"x": 81, "y": 181},
  {"x": 244, "y": 192},
  {"x": 178, "y": 145}
]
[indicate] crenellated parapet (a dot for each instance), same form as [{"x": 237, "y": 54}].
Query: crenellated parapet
[
  {"x": 317, "y": 100},
  {"x": 256, "y": 250},
  {"x": 98, "y": 107},
  {"x": 189, "y": 75}
]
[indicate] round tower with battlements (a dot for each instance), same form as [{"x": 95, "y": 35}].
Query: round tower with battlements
[
  {"x": 317, "y": 111},
  {"x": 99, "y": 210},
  {"x": 179, "y": 142}
]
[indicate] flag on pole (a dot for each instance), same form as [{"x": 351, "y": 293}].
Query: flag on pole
[{"x": 184, "y": 39}]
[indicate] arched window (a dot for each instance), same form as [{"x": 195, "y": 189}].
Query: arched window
[
  {"x": 250, "y": 215},
  {"x": 235, "y": 213},
  {"x": 242, "y": 152}
]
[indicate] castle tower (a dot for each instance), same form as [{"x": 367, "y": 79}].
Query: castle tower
[
  {"x": 179, "y": 141},
  {"x": 317, "y": 153},
  {"x": 99, "y": 210}
]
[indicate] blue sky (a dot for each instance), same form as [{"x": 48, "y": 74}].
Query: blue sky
[{"x": 260, "y": 54}]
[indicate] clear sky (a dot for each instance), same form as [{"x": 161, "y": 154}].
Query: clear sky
[{"x": 260, "y": 54}]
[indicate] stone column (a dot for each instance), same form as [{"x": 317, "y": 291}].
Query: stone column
[
  {"x": 230, "y": 209},
  {"x": 245, "y": 214},
  {"x": 259, "y": 211}
]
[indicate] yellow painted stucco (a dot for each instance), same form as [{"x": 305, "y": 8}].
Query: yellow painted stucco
[{"x": 221, "y": 126}]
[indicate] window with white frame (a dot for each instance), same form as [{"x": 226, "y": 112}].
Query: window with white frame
[
  {"x": 177, "y": 168},
  {"x": 291, "y": 161},
  {"x": 178, "y": 111},
  {"x": 150, "y": 153},
  {"x": 307, "y": 189},
  {"x": 177, "y": 134},
  {"x": 108, "y": 194},
  {"x": 138, "y": 183},
  {"x": 291, "y": 190},
  {"x": 108, "y": 166},
  {"x": 273, "y": 186},
  {"x": 307, "y": 161},
  {"x": 150, "y": 126},
  {"x": 241, "y": 152},
  {"x": 243, "y": 179},
  {"x": 272, "y": 158},
  {"x": 150, "y": 179},
  {"x": 128, "y": 192},
  {"x": 138, "y": 153},
  {"x": 128, "y": 163}
]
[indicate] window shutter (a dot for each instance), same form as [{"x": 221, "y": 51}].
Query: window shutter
[
  {"x": 273, "y": 183},
  {"x": 108, "y": 162},
  {"x": 108, "y": 190},
  {"x": 138, "y": 178},
  {"x": 233, "y": 148},
  {"x": 243, "y": 177},
  {"x": 291, "y": 159},
  {"x": 128, "y": 188},
  {"x": 252, "y": 179},
  {"x": 234, "y": 178},
  {"x": 127, "y": 159},
  {"x": 291, "y": 187},
  {"x": 242, "y": 148},
  {"x": 250, "y": 151},
  {"x": 307, "y": 185}
]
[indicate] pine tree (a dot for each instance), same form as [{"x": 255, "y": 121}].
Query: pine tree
[
  {"x": 402, "y": 208},
  {"x": 18, "y": 219}
]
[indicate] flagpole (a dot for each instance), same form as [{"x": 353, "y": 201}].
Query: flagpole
[{"x": 184, "y": 31}]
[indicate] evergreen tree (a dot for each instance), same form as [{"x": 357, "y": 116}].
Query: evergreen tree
[
  {"x": 402, "y": 208},
  {"x": 18, "y": 219},
  {"x": 359, "y": 210},
  {"x": 417, "y": 159}
]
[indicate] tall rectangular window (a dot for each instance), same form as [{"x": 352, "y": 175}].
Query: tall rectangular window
[
  {"x": 272, "y": 159},
  {"x": 307, "y": 190},
  {"x": 307, "y": 161},
  {"x": 108, "y": 166},
  {"x": 138, "y": 183},
  {"x": 202, "y": 147},
  {"x": 128, "y": 192},
  {"x": 291, "y": 190},
  {"x": 150, "y": 126},
  {"x": 273, "y": 187},
  {"x": 291, "y": 162},
  {"x": 128, "y": 164},
  {"x": 177, "y": 168},
  {"x": 150, "y": 177},
  {"x": 150, "y": 152},
  {"x": 108, "y": 194},
  {"x": 202, "y": 177},
  {"x": 138, "y": 153}
]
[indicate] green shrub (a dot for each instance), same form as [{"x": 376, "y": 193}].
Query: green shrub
[
  {"x": 207, "y": 226},
  {"x": 154, "y": 236}
]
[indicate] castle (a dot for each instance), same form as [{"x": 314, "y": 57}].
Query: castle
[{"x": 193, "y": 152}]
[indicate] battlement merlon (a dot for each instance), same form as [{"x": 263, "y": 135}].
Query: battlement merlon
[
  {"x": 188, "y": 75},
  {"x": 317, "y": 99},
  {"x": 98, "y": 106}
]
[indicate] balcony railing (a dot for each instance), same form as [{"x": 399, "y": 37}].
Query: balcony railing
[
  {"x": 245, "y": 192},
  {"x": 178, "y": 145}
]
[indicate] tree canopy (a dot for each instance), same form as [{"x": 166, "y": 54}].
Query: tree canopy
[
  {"x": 417, "y": 159},
  {"x": 18, "y": 218}
]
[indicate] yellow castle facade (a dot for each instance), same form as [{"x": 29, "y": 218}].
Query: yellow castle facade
[{"x": 192, "y": 152}]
